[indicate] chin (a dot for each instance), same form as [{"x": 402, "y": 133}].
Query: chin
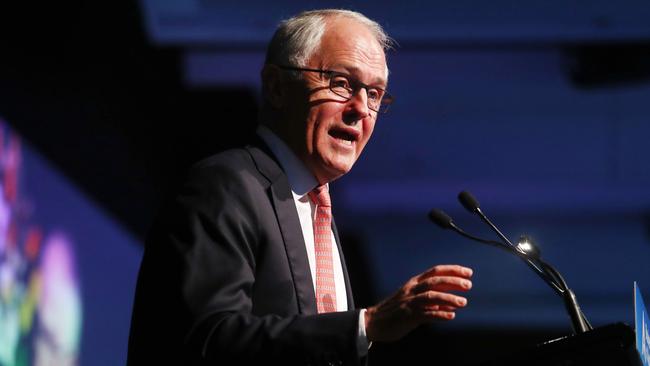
[
  {"x": 335, "y": 163},
  {"x": 342, "y": 166}
]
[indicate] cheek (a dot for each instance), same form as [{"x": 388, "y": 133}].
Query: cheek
[
  {"x": 320, "y": 120},
  {"x": 368, "y": 127}
]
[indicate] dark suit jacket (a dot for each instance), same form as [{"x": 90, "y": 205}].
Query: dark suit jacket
[{"x": 225, "y": 277}]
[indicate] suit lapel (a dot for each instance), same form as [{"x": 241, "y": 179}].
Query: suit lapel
[{"x": 285, "y": 209}]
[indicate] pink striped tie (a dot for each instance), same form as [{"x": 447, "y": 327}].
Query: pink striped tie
[{"x": 325, "y": 289}]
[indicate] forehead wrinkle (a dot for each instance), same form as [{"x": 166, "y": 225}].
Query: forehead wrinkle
[{"x": 357, "y": 62}]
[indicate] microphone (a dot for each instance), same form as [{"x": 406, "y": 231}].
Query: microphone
[
  {"x": 526, "y": 250},
  {"x": 471, "y": 204},
  {"x": 440, "y": 218},
  {"x": 444, "y": 221}
]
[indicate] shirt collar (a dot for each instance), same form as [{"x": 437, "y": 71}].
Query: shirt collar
[{"x": 301, "y": 180}]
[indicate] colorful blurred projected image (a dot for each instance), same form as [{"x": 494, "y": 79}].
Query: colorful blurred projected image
[{"x": 40, "y": 303}]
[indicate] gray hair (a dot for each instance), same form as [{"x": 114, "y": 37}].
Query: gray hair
[{"x": 297, "y": 38}]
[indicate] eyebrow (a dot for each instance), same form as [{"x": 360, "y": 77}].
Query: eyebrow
[{"x": 379, "y": 81}]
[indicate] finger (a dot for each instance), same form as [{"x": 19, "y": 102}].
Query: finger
[
  {"x": 430, "y": 298},
  {"x": 447, "y": 270},
  {"x": 440, "y": 315},
  {"x": 440, "y": 307},
  {"x": 448, "y": 308},
  {"x": 442, "y": 283}
]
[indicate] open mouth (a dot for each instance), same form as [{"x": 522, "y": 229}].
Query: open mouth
[{"x": 344, "y": 136}]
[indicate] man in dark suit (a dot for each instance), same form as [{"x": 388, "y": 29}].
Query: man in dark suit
[{"x": 245, "y": 265}]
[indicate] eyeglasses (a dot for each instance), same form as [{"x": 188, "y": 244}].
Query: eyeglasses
[{"x": 347, "y": 86}]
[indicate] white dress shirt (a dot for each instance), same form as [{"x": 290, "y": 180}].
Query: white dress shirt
[{"x": 301, "y": 182}]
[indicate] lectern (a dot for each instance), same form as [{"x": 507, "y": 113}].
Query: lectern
[{"x": 610, "y": 345}]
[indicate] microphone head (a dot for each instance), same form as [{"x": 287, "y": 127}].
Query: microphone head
[
  {"x": 468, "y": 201},
  {"x": 440, "y": 218}
]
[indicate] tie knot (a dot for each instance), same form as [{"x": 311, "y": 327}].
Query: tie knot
[{"x": 321, "y": 196}]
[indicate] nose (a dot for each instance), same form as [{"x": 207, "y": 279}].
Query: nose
[{"x": 358, "y": 105}]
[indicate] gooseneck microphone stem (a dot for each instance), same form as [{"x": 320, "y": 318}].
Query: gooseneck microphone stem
[
  {"x": 476, "y": 238},
  {"x": 553, "y": 273},
  {"x": 579, "y": 321},
  {"x": 558, "y": 287},
  {"x": 548, "y": 273},
  {"x": 443, "y": 220},
  {"x": 494, "y": 228}
]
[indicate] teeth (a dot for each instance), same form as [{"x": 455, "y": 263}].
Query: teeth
[{"x": 345, "y": 142}]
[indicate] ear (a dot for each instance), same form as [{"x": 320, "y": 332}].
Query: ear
[{"x": 274, "y": 85}]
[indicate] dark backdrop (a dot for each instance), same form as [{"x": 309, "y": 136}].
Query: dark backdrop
[{"x": 540, "y": 109}]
